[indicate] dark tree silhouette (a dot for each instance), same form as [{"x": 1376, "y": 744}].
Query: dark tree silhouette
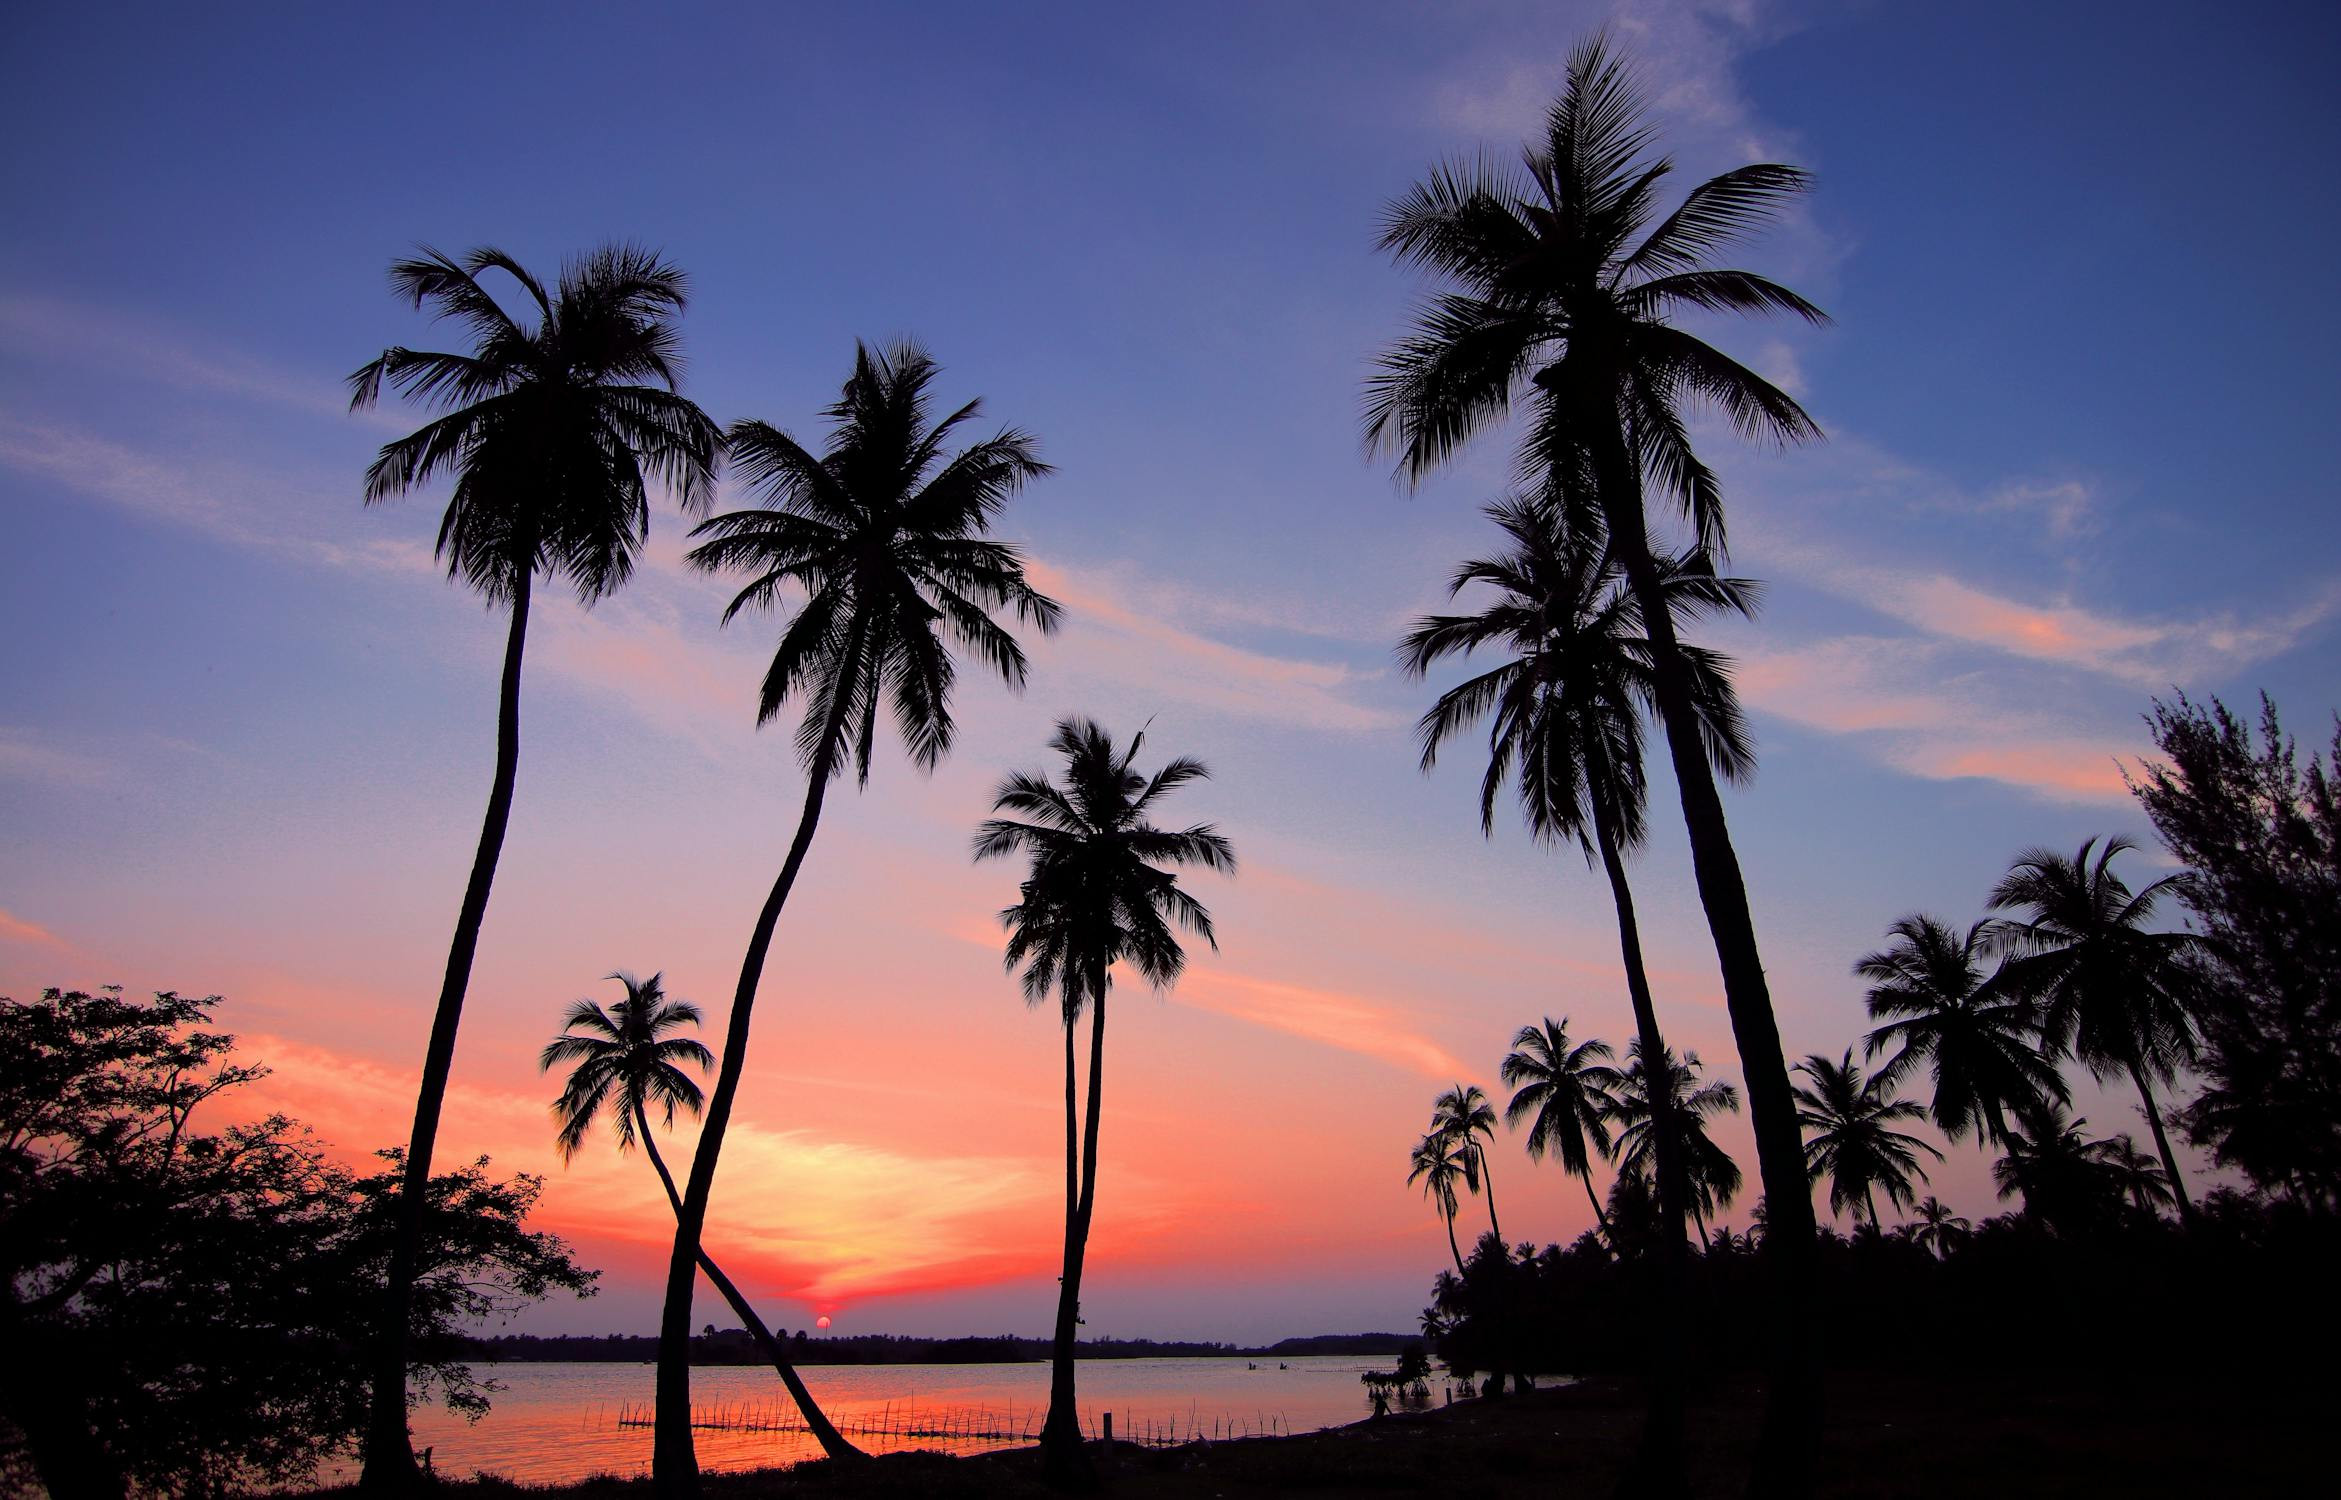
[
  {"x": 1438, "y": 1169},
  {"x": 623, "y": 1058},
  {"x": 1462, "y": 1115},
  {"x": 2061, "y": 1174},
  {"x": 1711, "y": 1175},
  {"x": 1979, "y": 1038},
  {"x": 1937, "y": 1229},
  {"x": 1851, "y": 1139},
  {"x": 553, "y": 435},
  {"x": 884, "y": 536},
  {"x": 1561, "y": 1088},
  {"x": 1097, "y": 894},
  {"x": 2113, "y": 992},
  {"x": 1556, "y": 281}
]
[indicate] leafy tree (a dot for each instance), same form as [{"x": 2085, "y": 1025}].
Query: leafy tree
[
  {"x": 1713, "y": 1177},
  {"x": 1097, "y": 894},
  {"x": 2135, "y": 1173},
  {"x": 2113, "y": 992},
  {"x": 2059, "y": 1172},
  {"x": 1852, "y": 1141},
  {"x": 1937, "y": 1229},
  {"x": 1562, "y": 1090},
  {"x": 885, "y": 537},
  {"x": 1463, "y": 1115},
  {"x": 1980, "y": 1040},
  {"x": 1557, "y": 280},
  {"x": 553, "y": 434},
  {"x": 2260, "y": 835},
  {"x": 624, "y": 1058},
  {"x": 1438, "y": 1168},
  {"x": 184, "y": 1310}
]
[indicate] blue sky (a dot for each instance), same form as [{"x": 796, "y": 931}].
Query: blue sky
[{"x": 2077, "y": 396}]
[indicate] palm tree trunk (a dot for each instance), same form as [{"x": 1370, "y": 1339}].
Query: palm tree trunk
[
  {"x": 833, "y": 1442},
  {"x": 1792, "y": 1407},
  {"x": 674, "y": 1459},
  {"x": 1599, "y": 1215},
  {"x": 1452, "y": 1248},
  {"x": 1066, "y": 1462},
  {"x": 1487, "y": 1175},
  {"x": 2186, "y": 1206},
  {"x": 390, "y": 1459},
  {"x": 1659, "y": 1464}
]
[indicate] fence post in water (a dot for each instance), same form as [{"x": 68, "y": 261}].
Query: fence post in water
[{"x": 1109, "y": 1429}]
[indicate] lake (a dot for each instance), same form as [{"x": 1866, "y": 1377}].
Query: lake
[{"x": 554, "y": 1423}]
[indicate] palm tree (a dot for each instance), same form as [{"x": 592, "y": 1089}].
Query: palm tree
[
  {"x": 2059, "y": 1172},
  {"x": 1709, "y": 1173},
  {"x": 1562, "y": 1089},
  {"x": 2137, "y": 1174},
  {"x": 624, "y": 1058},
  {"x": 1462, "y": 1114},
  {"x": 1852, "y": 1141},
  {"x": 1937, "y": 1228},
  {"x": 884, "y": 537},
  {"x": 553, "y": 434},
  {"x": 2112, "y": 993},
  {"x": 1438, "y": 1169},
  {"x": 1551, "y": 286},
  {"x": 1981, "y": 1041},
  {"x": 1097, "y": 894}
]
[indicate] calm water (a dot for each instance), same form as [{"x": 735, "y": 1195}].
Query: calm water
[{"x": 558, "y": 1422}]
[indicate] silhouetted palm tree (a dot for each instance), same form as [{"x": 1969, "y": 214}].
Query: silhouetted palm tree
[
  {"x": 1937, "y": 1228},
  {"x": 553, "y": 435},
  {"x": 1438, "y": 1169},
  {"x": 624, "y": 1058},
  {"x": 883, "y": 535},
  {"x": 1712, "y": 1176},
  {"x": 1097, "y": 894},
  {"x": 2112, "y": 992},
  {"x": 2136, "y": 1173},
  {"x": 1462, "y": 1114},
  {"x": 1562, "y": 1090},
  {"x": 1555, "y": 279},
  {"x": 1851, "y": 1140},
  {"x": 1980, "y": 1040},
  {"x": 2059, "y": 1172}
]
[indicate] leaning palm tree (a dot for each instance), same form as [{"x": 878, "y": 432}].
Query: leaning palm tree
[
  {"x": 1556, "y": 282},
  {"x": 1562, "y": 1089},
  {"x": 1938, "y": 1229},
  {"x": 1979, "y": 1039},
  {"x": 1098, "y": 893},
  {"x": 553, "y": 431},
  {"x": 2113, "y": 993},
  {"x": 1712, "y": 1177},
  {"x": 1851, "y": 1139},
  {"x": 623, "y": 1058},
  {"x": 1463, "y": 1115},
  {"x": 881, "y": 540},
  {"x": 1438, "y": 1169}
]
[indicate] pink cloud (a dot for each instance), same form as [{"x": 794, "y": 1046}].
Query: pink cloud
[
  {"x": 15, "y": 929},
  {"x": 1339, "y": 1020}
]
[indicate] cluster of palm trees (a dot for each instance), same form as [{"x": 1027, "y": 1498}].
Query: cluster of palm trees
[{"x": 553, "y": 427}]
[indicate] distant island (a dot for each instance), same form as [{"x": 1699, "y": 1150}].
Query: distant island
[{"x": 733, "y": 1346}]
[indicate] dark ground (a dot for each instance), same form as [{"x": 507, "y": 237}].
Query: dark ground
[{"x": 2203, "y": 1433}]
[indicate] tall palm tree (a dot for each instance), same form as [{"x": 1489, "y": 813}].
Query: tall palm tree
[
  {"x": 623, "y": 1057},
  {"x": 553, "y": 431},
  {"x": 1555, "y": 288},
  {"x": 1852, "y": 1141},
  {"x": 1463, "y": 1115},
  {"x": 2113, "y": 993},
  {"x": 1980, "y": 1039},
  {"x": 883, "y": 538},
  {"x": 1099, "y": 892},
  {"x": 1562, "y": 1089},
  {"x": 1937, "y": 1228},
  {"x": 1710, "y": 1175},
  {"x": 1438, "y": 1169}
]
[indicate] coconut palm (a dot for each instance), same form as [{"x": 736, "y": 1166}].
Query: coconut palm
[
  {"x": 1936, "y": 1228},
  {"x": 1462, "y": 1114},
  {"x": 623, "y": 1057},
  {"x": 1556, "y": 280},
  {"x": 553, "y": 430},
  {"x": 1851, "y": 1138},
  {"x": 2112, "y": 993},
  {"x": 1712, "y": 1177},
  {"x": 881, "y": 541},
  {"x": 1100, "y": 891},
  {"x": 1561, "y": 1088},
  {"x": 2137, "y": 1174},
  {"x": 2058, "y": 1171},
  {"x": 1979, "y": 1040},
  {"x": 1438, "y": 1169}
]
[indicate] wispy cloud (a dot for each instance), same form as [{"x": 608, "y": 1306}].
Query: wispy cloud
[
  {"x": 1349, "y": 1022},
  {"x": 15, "y": 929}
]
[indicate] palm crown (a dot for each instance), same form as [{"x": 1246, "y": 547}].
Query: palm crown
[
  {"x": 1939, "y": 1008},
  {"x": 1851, "y": 1139},
  {"x": 625, "y": 1059},
  {"x": 884, "y": 534},
  {"x": 553, "y": 432},
  {"x": 1708, "y": 1170},
  {"x": 1563, "y": 1090}
]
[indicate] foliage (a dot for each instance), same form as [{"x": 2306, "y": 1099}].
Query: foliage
[
  {"x": 1712, "y": 1176},
  {"x": 1978, "y": 1039},
  {"x": 1850, "y": 1137},
  {"x": 185, "y": 1309}
]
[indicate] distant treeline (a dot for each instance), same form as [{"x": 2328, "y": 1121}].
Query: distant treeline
[{"x": 734, "y": 1347}]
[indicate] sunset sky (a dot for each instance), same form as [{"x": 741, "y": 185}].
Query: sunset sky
[{"x": 2079, "y": 399}]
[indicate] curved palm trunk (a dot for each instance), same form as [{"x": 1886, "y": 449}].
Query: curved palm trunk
[
  {"x": 390, "y": 1459},
  {"x": 833, "y": 1442},
  {"x": 2186, "y": 1206},
  {"x": 1792, "y": 1405},
  {"x": 1660, "y": 1462},
  {"x": 674, "y": 1459},
  {"x": 1600, "y": 1216},
  {"x": 1488, "y": 1176},
  {"x": 1065, "y": 1460},
  {"x": 1452, "y": 1248}
]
